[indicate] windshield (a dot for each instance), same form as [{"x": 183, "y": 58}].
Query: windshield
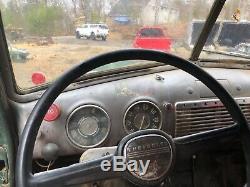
[
  {"x": 47, "y": 37},
  {"x": 231, "y": 33}
]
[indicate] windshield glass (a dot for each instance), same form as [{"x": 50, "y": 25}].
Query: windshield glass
[
  {"x": 230, "y": 34},
  {"x": 47, "y": 37}
]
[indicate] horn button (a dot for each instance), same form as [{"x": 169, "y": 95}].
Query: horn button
[{"x": 154, "y": 153}]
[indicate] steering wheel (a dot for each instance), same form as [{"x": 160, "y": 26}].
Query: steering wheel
[{"x": 155, "y": 145}]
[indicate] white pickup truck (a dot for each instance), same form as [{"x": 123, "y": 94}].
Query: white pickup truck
[{"x": 92, "y": 31}]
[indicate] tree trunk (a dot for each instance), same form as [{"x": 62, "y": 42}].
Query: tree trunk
[{"x": 74, "y": 8}]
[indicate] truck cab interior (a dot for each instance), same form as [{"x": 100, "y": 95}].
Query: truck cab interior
[{"x": 123, "y": 116}]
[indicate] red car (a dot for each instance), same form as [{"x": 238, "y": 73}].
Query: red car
[{"x": 152, "y": 38}]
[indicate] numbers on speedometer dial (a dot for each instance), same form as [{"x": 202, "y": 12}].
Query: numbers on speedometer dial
[{"x": 142, "y": 115}]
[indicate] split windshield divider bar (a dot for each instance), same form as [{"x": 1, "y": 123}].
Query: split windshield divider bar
[{"x": 207, "y": 28}]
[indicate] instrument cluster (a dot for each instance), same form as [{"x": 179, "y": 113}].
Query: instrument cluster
[{"x": 89, "y": 125}]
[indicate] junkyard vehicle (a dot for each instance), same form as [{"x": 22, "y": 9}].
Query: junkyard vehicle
[
  {"x": 122, "y": 117},
  {"x": 14, "y": 34},
  {"x": 224, "y": 33},
  {"x": 92, "y": 31},
  {"x": 152, "y": 38},
  {"x": 16, "y": 54}
]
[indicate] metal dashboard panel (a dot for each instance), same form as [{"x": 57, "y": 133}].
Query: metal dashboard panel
[
  {"x": 203, "y": 115},
  {"x": 116, "y": 96}
]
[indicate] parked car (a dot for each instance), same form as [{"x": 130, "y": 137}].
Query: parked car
[
  {"x": 152, "y": 38},
  {"x": 92, "y": 31},
  {"x": 17, "y": 54}
]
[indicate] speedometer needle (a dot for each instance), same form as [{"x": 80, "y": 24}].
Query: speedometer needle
[{"x": 142, "y": 121}]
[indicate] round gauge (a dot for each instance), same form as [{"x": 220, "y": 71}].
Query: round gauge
[
  {"x": 142, "y": 115},
  {"x": 88, "y": 126}
]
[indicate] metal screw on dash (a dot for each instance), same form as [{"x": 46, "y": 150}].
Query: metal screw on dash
[{"x": 159, "y": 77}]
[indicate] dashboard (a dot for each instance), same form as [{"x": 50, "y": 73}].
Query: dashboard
[{"x": 102, "y": 114}]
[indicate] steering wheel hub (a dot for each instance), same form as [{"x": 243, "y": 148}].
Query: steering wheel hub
[{"x": 154, "y": 153}]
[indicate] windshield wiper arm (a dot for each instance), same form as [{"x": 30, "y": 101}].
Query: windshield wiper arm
[{"x": 207, "y": 28}]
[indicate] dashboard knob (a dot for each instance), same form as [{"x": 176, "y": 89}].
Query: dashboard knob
[
  {"x": 50, "y": 151},
  {"x": 53, "y": 113}
]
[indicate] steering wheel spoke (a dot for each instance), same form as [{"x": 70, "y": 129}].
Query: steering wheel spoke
[{"x": 80, "y": 173}]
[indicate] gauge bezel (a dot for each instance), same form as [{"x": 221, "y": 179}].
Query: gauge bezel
[
  {"x": 139, "y": 102},
  {"x": 76, "y": 144}
]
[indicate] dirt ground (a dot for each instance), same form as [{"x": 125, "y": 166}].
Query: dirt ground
[
  {"x": 65, "y": 52},
  {"x": 55, "y": 58}
]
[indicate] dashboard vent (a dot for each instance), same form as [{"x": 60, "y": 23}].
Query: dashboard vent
[{"x": 193, "y": 117}]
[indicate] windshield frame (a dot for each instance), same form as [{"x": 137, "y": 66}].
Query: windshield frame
[
  {"x": 16, "y": 92},
  {"x": 207, "y": 28}
]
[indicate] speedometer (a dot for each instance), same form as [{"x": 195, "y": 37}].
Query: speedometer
[
  {"x": 142, "y": 115},
  {"x": 88, "y": 126}
]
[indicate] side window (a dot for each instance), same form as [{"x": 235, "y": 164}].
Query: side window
[{"x": 103, "y": 27}]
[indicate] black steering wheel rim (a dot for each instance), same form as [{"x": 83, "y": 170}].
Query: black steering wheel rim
[{"x": 27, "y": 141}]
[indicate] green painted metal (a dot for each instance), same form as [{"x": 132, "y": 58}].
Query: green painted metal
[
  {"x": 7, "y": 154},
  {"x": 4, "y": 165}
]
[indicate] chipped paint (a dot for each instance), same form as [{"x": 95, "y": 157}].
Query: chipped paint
[
  {"x": 4, "y": 172},
  {"x": 124, "y": 90}
]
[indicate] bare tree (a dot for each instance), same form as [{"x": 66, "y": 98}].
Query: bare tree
[
  {"x": 85, "y": 8},
  {"x": 157, "y": 8},
  {"x": 74, "y": 2},
  {"x": 81, "y": 5},
  {"x": 1, "y": 4}
]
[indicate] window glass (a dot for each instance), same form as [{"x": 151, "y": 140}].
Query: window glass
[
  {"x": 231, "y": 31},
  {"x": 46, "y": 37},
  {"x": 151, "y": 32}
]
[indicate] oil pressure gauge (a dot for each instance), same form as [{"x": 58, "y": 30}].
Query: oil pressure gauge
[
  {"x": 88, "y": 126},
  {"x": 142, "y": 115}
]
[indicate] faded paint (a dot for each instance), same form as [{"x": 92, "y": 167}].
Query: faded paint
[
  {"x": 4, "y": 172},
  {"x": 123, "y": 90}
]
